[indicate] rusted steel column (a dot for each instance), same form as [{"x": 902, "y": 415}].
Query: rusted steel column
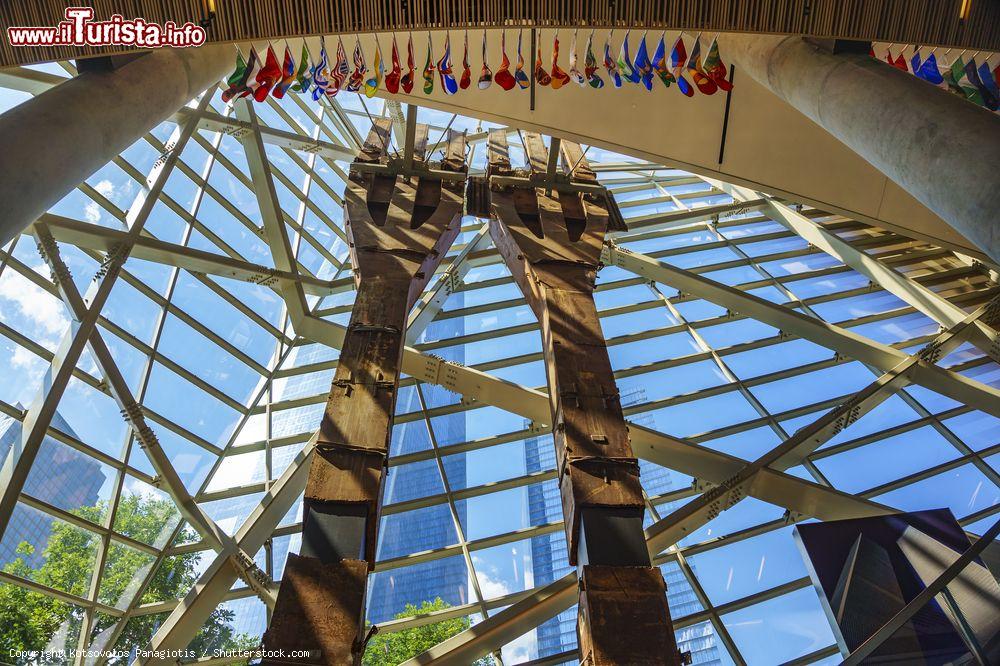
[
  {"x": 550, "y": 231},
  {"x": 399, "y": 230}
]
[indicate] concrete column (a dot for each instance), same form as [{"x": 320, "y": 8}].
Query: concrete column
[
  {"x": 942, "y": 149},
  {"x": 55, "y": 141}
]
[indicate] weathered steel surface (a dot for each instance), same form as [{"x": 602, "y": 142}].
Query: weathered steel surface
[
  {"x": 550, "y": 235},
  {"x": 552, "y": 244},
  {"x": 399, "y": 229},
  {"x": 622, "y": 617},
  {"x": 317, "y": 605}
]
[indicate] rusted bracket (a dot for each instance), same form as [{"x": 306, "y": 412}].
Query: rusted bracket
[{"x": 400, "y": 224}]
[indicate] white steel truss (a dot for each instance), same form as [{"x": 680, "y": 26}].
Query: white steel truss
[{"x": 265, "y": 241}]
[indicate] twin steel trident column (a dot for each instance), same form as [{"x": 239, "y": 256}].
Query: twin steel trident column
[
  {"x": 549, "y": 226},
  {"x": 401, "y": 218}
]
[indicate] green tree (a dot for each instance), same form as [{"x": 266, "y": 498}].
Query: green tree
[
  {"x": 29, "y": 619},
  {"x": 398, "y": 646}
]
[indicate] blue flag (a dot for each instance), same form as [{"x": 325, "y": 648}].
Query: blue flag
[
  {"x": 643, "y": 65},
  {"x": 926, "y": 70}
]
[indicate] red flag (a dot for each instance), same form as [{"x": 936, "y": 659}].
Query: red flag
[
  {"x": 900, "y": 63},
  {"x": 267, "y": 76},
  {"x": 466, "y": 79},
  {"x": 503, "y": 76},
  {"x": 287, "y": 75},
  {"x": 407, "y": 81},
  {"x": 392, "y": 78},
  {"x": 558, "y": 76}
]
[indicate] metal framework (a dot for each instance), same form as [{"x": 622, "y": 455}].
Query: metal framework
[{"x": 746, "y": 335}]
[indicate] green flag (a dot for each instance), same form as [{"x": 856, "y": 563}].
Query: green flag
[
  {"x": 303, "y": 76},
  {"x": 237, "y": 74}
]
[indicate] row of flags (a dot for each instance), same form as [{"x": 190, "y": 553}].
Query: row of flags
[
  {"x": 976, "y": 82},
  {"x": 259, "y": 77}
]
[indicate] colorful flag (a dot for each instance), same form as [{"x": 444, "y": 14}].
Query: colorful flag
[
  {"x": 949, "y": 74},
  {"x": 574, "y": 73},
  {"x": 643, "y": 65},
  {"x": 590, "y": 65},
  {"x": 253, "y": 68},
  {"x": 678, "y": 58},
  {"x": 429, "y": 68},
  {"x": 611, "y": 65},
  {"x": 900, "y": 63},
  {"x": 716, "y": 69},
  {"x": 969, "y": 90},
  {"x": 303, "y": 77},
  {"x": 928, "y": 69},
  {"x": 466, "y": 79},
  {"x": 503, "y": 76},
  {"x": 989, "y": 79},
  {"x": 448, "y": 82},
  {"x": 320, "y": 75},
  {"x": 378, "y": 68},
  {"x": 625, "y": 65},
  {"x": 542, "y": 77},
  {"x": 267, "y": 76},
  {"x": 288, "y": 75},
  {"x": 236, "y": 80},
  {"x": 340, "y": 70},
  {"x": 559, "y": 77},
  {"x": 519, "y": 74},
  {"x": 985, "y": 94},
  {"x": 241, "y": 68},
  {"x": 705, "y": 85},
  {"x": 357, "y": 79},
  {"x": 485, "y": 74},
  {"x": 660, "y": 63},
  {"x": 407, "y": 80},
  {"x": 392, "y": 78}
]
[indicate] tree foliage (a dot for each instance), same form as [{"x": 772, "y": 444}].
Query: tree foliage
[
  {"x": 396, "y": 647},
  {"x": 28, "y": 620}
]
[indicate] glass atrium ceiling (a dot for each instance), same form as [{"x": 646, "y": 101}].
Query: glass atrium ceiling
[{"x": 96, "y": 552}]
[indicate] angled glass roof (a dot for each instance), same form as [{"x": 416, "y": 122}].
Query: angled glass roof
[{"x": 96, "y": 553}]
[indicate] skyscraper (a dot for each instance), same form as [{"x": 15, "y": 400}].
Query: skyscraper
[
  {"x": 549, "y": 556},
  {"x": 60, "y": 476}
]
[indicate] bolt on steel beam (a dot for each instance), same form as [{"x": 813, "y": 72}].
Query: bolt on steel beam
[
  {"x": 549, "y": 226},
  {"x": 400, "y": 223}
]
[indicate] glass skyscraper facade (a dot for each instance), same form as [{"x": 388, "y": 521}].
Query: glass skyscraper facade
[
  {"x": 60, "y": 477},
  {"x": 549, "y": 559}
]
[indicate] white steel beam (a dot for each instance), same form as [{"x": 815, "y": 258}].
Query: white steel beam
[
  {"x": 788, "y": 321},
  {"x": 133, "y": 414},
  {"x": 104, "y": 239},
  {"x": 754, "y": 478},
  {"x": 188, "y": 617},
  {"x": 22, "y": 453},
  {"x": 909, "y": 291},
  {"x": 492, "y": 633}
]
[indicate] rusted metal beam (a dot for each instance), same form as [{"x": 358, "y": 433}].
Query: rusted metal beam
[
  {"x": 551, "y": 238},
  {"x": 399, "y": 230}
]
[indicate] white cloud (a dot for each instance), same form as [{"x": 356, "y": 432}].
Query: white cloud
[
  {"x": 24, "y": 359},
  {"x": 92, "y": 212},
  {"x": 43, "y": 311},
  {"x": 105, "y": 188},
  {"x": 491, "y": 587}
]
